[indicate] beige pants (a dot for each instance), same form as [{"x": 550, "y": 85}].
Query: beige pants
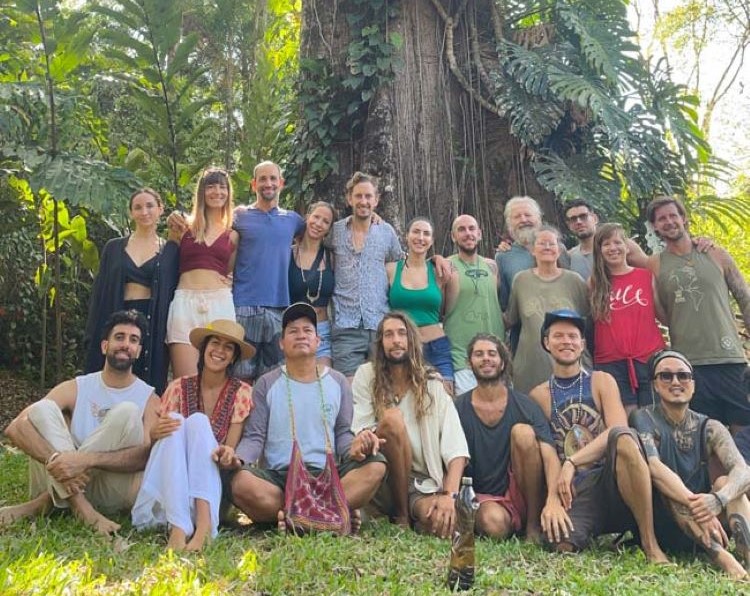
[{"x": 108, "y": 492}]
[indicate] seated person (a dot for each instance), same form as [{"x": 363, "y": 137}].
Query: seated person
[
  {"x": 399, "y": 404},
  {"x": 683, "y": 447},
  {"x": 510, "y": 443},
  {"x": 91, "y": 461},
  {"x": 199, "y": 426},
  {"x": 302, "y": 387},
  {"x": 604, "y": 484}
]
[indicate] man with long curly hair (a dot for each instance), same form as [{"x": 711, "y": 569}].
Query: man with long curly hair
[{"x": 402, "y": 408}]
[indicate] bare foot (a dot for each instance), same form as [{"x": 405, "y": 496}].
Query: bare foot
[
  {"x": 656, "y": 556},
  {"x": 534, "y": 534},
  {"x": 84, "y": 511},
  {"x": 177, "y": 539},
  {"x": 36, "y": 506},
  {"x": 730, "y": 565},
  {"x": 197, "y": 541},
  {"x": 281, "y": 522},
  {"x": 356, "y": 521}
]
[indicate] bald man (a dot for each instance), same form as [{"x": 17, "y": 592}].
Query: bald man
[{"x": 471, "y": 303}]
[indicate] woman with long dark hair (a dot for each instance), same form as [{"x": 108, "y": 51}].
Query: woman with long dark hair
[
  {"x": 198, "y": 429},
  {"x": 138, "y": 271}
]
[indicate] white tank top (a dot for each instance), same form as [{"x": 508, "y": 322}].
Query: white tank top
[{"x": 95, "y": 399}]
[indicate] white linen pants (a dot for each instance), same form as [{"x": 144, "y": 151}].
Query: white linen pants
[{"x": 180, "y": 470}]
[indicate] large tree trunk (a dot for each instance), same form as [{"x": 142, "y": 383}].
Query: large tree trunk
[{"x": 436, "y": 150}]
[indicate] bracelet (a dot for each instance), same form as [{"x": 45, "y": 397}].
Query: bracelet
[
  {"x": 572, "y": 463},
  {"x": 51, "y": 458},
  {"x": 443, "y": 493},
  {"x": 722, "y": 504}
]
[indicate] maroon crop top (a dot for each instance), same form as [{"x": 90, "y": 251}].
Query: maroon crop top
[{"x": 202, "y": 256}]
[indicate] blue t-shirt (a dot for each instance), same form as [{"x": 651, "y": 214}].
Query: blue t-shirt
[{"x": 263, "y": 254}]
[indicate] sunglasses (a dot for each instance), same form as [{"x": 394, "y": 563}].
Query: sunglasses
[{"x": 668, "y": 377}]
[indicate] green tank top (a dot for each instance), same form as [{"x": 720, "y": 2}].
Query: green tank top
[
  {"x": 477, "y": 309},
  {"x": 423, "y": 305},
  {"x": 695, "y": 297}
]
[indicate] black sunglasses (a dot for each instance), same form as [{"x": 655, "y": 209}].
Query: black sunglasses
[{"x": 668, "y": 377}]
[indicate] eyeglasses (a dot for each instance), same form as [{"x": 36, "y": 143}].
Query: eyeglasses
[
  {"x": 581, "y": 217},
  {"x": 668, "y": 377},
  {"x": 542, "y": 244}
]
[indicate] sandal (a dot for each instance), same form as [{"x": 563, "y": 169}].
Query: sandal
[{"x": 741, "y": 532}]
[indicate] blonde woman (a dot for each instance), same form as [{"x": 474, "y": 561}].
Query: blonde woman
[{"x": 208, "y": 247}]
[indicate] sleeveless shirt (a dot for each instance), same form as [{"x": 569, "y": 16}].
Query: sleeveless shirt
[
  {"x": 477, "y": 308},
  {"x": 94, "y": 399},
  {"x": 422, "y": 305},
  {"x": 304, "y": 284},
  {"x": 575, "y": 419},
  {"x": 695, "y": 296},
  {"x": 194, "y": 255},
  {"x": 631, "y": 332}
]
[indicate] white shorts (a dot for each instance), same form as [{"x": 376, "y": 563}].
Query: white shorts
[{"x": 197, "y": 308}]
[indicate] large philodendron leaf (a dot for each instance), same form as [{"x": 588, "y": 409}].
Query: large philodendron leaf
[
  {"x": 578, "y": 176},
  {"x": 531, "y": 117},
  {"x": 720, "y": 209},
  {"x": 85, "y": 182}
]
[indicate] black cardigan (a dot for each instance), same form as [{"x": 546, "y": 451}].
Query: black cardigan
[{"x": 107, "y": 297}]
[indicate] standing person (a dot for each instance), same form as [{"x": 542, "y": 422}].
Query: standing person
[
  {"x": 320, "y": 401},
  {"x": 140, "y": 272},
  {"x": 471, "y": 302},
  {"x": 415, "y": 290},
  {"x": 311, "y": 275},
  {"x": 683, "y": 448},
  {"x": 361, "y": 249},
  {"x": 512, "y": 452},
  {"x": 207, "y": 250},
  {"x": 694, "y": 288},
  {"x": 199, "y": 426},
  {"x": 535, "y": 291},
  {"x": 582, "y": 222},
  {"x": 624, "y": 309},
  {"x": 261, "y": 275},
  {"x": 604, "y": 484},
  {"x": 88, "y": 439},
  {"x": 400, "y": 406}
]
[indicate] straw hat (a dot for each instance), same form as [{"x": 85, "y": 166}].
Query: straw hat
[{"x": 225, "y": 329}]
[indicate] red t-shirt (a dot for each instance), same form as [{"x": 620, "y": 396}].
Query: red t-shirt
[{"x": 631, "y": 332}]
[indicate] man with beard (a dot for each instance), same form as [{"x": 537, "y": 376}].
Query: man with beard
[
  {"x": 399, "y": 404},
  {"x": 362, "y": 244},
  {"x": 88, "y": 439},
  {"x": 685, "y": 450},
  {"x": 471, "y": 303},
  {"x": 510, "y": 444},
  {"x": 694, "y": 288},
  {"x": 523, "y": 218},
  {"x": 581, "y": 221},
  {"x": 604, "y": 484}
]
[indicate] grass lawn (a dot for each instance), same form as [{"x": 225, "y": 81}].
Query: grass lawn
[{"x": 57, "y": 555}]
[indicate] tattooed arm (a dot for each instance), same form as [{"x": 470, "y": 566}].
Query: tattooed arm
[
  {"x": 720, "y": 443},
  {"x": 736, "y": 284}
]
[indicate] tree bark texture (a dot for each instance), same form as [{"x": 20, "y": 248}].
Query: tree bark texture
[{"x": 436, "y": 150}]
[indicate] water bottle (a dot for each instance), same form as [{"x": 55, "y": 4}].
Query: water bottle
[{"x": 461, "y": 572}]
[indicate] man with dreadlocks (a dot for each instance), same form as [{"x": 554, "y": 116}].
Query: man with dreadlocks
[{"x": 404, "y": 409}]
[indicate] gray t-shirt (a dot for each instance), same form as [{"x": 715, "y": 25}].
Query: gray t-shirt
[{"x": 582, "y": 264}]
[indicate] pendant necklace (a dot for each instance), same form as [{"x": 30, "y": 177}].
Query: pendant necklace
[{"x": 311, "y": 298}]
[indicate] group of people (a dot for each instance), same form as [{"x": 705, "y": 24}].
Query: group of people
[{"x": 325, "y": 334}]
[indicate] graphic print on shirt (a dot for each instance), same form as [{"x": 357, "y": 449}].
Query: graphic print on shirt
[
  {"x": 625, "y": 297},
  {"x": 686, "y": 287},
  {"x": 575, "y": 426}
]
